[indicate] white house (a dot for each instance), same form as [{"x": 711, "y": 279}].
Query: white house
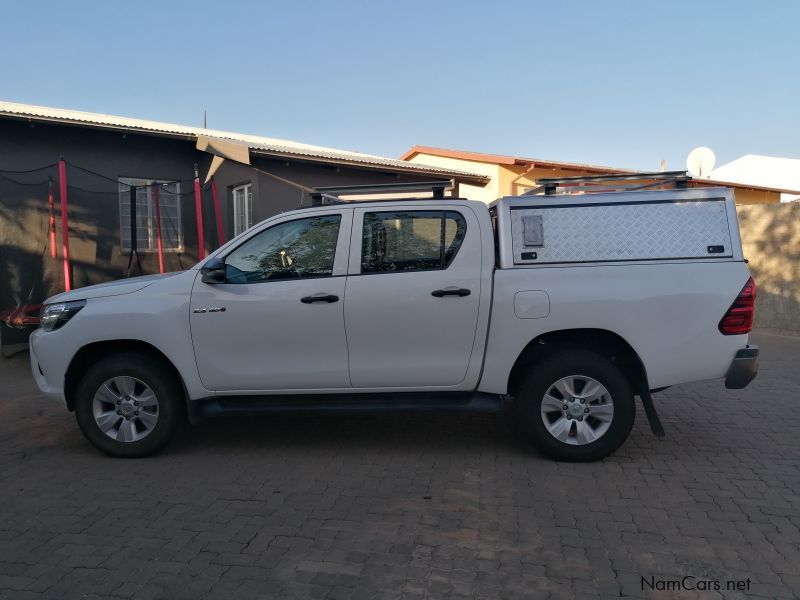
[{"x": 767, "y": 171}]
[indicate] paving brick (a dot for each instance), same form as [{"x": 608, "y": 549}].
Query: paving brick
[{"x": 371, "y": 507}]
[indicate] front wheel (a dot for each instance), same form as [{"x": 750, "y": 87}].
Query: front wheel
[
  {"x": 128, "y": 405},
  {"x": 576, "y": 406}
]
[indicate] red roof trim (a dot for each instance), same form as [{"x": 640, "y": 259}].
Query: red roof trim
[
  {"x": 534, "y": 162},
  {"x": 475, "y": 156},
  {"x": 501, "y": 159}
]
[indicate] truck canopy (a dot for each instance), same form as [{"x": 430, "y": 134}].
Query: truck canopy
[{"x": 689, "y": 224}]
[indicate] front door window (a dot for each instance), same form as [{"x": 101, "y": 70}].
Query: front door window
[{"x": 298, "y": 249}]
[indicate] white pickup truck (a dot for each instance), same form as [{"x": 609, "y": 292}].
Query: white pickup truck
[{"x": 560, "y": 309}]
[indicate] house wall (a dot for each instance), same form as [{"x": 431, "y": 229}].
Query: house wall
[
  {"x": 488, "y": 193},
  {"x": 745, "y": 196},
  {"x": 516, "y": 179},
  {"x": 771, "y": 243},
  {"x": 27, "y": 272},
  {"x": 272, "y": 196},
  {"x": 506, "y": 179}
]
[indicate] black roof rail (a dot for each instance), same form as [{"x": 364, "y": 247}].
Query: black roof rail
[
  {"x": 331, "y": 194},
  {"x": 550, "y": 186}
]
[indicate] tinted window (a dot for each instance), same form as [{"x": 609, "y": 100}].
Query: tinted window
[
  {"x": 410, "y": 240},
  {"x": 301, "y": 248}
]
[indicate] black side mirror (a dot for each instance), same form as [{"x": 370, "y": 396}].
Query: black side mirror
[{"x": 214, "y": 271}]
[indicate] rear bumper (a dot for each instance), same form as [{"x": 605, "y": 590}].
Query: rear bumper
[{"x": 743, "y": 369}]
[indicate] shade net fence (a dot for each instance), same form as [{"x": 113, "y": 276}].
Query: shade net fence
[{"x": 115, "y": 228}]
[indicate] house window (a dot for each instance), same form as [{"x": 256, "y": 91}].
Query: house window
[
  {"x": 146, "y": 232},
  {"x": 242, "y": 208}
]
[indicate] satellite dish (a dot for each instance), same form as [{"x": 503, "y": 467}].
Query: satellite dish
[{"x": 700, "y": 162}]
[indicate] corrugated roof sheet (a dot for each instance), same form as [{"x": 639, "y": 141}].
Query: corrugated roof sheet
[{"x": 258, "y": 143}]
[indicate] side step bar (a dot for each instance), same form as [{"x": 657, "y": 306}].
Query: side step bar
[{"x": 352, "y": 403}]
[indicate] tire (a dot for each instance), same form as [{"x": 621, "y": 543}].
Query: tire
[
  {"x": 596, "y": 420},
  {"x": 129, "y": 405}
]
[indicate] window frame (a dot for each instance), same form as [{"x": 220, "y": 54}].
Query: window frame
[
  {"x": 338, "y": 247},
  {"x": 149, "y": 206},
  {"x": 248, "y": 202},
  {"x": 359, "y": 237}
]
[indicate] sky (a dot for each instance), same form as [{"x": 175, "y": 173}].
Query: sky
[{"x": 609, "y": 82}]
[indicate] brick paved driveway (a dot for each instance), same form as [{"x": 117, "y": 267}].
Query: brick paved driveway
[{"x": 388, "y": 507}]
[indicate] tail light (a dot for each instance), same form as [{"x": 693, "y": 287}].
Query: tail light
[{"x": 739, "y": 318}]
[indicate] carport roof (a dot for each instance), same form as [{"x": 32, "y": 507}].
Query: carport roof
[{"x": 258, "y": 144}]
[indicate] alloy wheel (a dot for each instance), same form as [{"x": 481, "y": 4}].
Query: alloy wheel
[
  {"x": 125, "y": 409},
  {"x": 577, "y": 410}
]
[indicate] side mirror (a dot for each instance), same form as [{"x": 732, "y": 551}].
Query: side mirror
[{"x": 214, "y": 271}]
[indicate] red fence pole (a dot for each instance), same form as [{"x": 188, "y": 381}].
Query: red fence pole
[
  {"x": 51, "y": 226},
  {"x": 198, "y": 208},
  {"x": 157, "y": 208},
  {"x": 220, "y": 232},
  {"x": 62, "y": 180}
]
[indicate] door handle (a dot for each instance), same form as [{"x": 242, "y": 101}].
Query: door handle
[
  {"x": 319, "y": 298},
  {"x": 451, "y": 291}
]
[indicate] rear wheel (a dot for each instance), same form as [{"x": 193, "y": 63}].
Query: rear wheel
[
  {"x": 128, "y": 405},
  {"x": 575, "y": 406}
]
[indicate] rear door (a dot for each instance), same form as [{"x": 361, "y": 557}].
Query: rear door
[{"x": 413, "y": 296}]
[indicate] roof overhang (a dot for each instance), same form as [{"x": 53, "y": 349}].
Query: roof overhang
[
  {"x": 256, "y": 145},
  {"x": 501, "y": 159},
  {"x": 460, "y": 176},
  {"x": 497, "y": 159},
  {"x": 222, "y": 149},
  {"x": 743, "y": 186}
]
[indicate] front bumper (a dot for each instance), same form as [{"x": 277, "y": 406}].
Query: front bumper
[
  {"x": 51, "y": 387},
  {"x": 743, "y": 369}
]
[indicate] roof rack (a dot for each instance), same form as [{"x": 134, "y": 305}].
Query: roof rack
[
  {"x": 332, "y": 194},
  {"x": 599, "y": 183}
]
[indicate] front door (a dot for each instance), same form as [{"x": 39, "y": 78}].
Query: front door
[
  {"x": 277, "y": 323},
  {"x": 413, "y": 292}
]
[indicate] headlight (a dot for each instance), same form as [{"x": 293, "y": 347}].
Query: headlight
[{"x": 56, "y": 315}]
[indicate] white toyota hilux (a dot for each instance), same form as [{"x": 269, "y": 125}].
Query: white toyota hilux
[{"x": 560, "y": 309}]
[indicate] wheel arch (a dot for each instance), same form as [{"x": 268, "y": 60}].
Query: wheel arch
[
  {"x": 603, "y": 342},
  {"x": 91, "y": 353}
]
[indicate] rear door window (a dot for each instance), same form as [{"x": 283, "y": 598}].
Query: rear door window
[{"x": 420, "y": 240}]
